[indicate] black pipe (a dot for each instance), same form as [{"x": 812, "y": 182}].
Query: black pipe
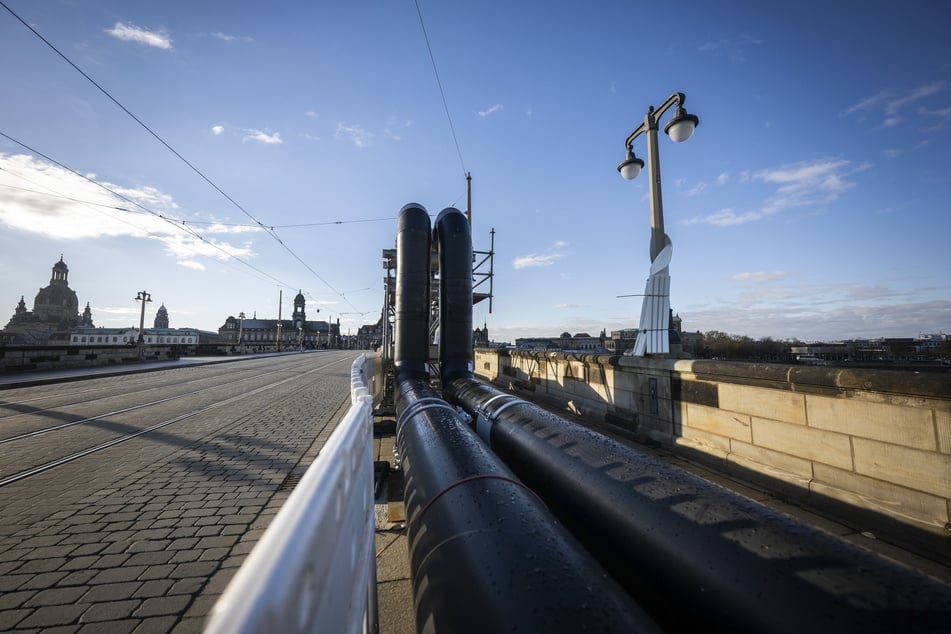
[
  {"x": 454, "y": 240},
  {"x": 696, "y": 556},
  {"x": 411, "y": 345},
  {"x": 485, "y": 553}
]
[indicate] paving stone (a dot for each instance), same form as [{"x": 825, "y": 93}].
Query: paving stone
[
  {"x": 160, "y": 606},
  {"x": 77, "y": 578},
  {"x": 55, "y": 596},
  {"x": 189, "y": 586},
  {"x": 186, "y": 556},
  {"x": 214, "y": 554},
  {"x": 10, "y": 600},
  {"x": 152, "y": 558},
  {"x": 117, "y": 575},
  {"x": 40, "y": 542},
  {"x": 156, "y": 625},
  {"x": 157, "y": 572},
  {"x": 10, "y": 618},
  {"x": 125, "y": 626},
  {"x": 49, "y": 616},
  {"x": 110, "y": 611},
  {"x": 149, "y": 545},
  {"x": 40, "y": 581},
  {"x": 111, "y": 592},
  {"x": 42, "y": 565},
  {"x": 153, "y": 588},
  {"x": 79, "y": 563},
  {"x": 110, "y": 561}
]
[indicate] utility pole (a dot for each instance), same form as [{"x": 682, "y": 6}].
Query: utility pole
[
  {"x": 143, "y": 296},
  {"x": 280, "y": 300}
]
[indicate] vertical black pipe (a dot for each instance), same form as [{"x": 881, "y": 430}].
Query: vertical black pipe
[
  {"x": 485, "y": 553},
  {"x": 411, "y": 351},
  {"x": 454, "y": 242}
]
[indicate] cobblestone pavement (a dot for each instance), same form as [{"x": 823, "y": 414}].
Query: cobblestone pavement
[{"x": 145, "y": 536}]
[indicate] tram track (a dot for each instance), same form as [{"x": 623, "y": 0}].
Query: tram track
[
  {"x": 90, "y": 419},
  {"x": 33, "y": 470},
  {"x": 132, "y": 386}
]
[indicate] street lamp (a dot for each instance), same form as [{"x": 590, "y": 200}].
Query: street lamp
[
  {"x": 143, "y": 297},
  {"x": 652, "y": 336},
  {"x": 240, "y": 327}
]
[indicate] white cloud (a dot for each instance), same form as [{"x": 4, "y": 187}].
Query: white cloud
[
  {"x": 802, "y": 184},
  {"x": 541, "y": 259},
  {"x": 491, "y": 110},
  {"x": 944, "y": 113},
  {"x": 262, "y": 137},
  {"x": 889, "y": 104},
  {"x": 723, "y": 178},
  {"x": 231, "y": 38},
  {"x": 696, "y": 189},
  {"x": 217, "y": 130},
  {"x": 735, "y": 47},
  {"x": 759, "y": 276},
  {"x": 394, "y": 127},
  {"x": 535, "y": 259},
  {"x": 357, "y": 135},
  {"x": 312, "y": 114},
  {"x": 727, "y": 218},
  {"x": 132, "y": 33},
  {"x": 44, "y": 199}
]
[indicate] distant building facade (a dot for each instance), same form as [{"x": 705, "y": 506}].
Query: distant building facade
[
  {"x": 160, "y": 335},
  {"x": 55, "y": 312},
  {"x": 294, "y": 332}
]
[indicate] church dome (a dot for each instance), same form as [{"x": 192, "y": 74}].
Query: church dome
[{"x": 56, "y": 302}]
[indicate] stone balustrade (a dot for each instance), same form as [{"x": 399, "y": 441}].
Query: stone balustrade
[{"x": 878, "y": 441}]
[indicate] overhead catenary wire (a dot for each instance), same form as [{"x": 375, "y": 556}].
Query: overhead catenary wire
[
  {"x": 170, "y": 221},
  {"x": 128, "y": 112},
  {"x": 442, "y": 93},
  {"x": 269, "y": 230},
  {"x": 211, "y": 223}
]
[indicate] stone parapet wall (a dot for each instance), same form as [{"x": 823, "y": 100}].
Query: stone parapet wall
[
  {"x": 878, "y": 440},
  {"x": 39, "y": 358}
]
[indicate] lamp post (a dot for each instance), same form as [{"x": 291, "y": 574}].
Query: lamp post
[
  {"x": 143, "y": 297},
  {"x": 652, "y": 336},
  {"x": 240, "y": 327}
]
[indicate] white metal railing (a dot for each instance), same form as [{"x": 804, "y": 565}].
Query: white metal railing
[{"x": 314, "y": 568}]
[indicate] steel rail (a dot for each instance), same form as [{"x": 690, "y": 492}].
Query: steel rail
[
  {"x": 121, "y": 439},
  {"x": 89, "y": 419}
]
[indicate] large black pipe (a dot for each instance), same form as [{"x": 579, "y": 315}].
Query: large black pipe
[
  {"x": 485, "y": 553},
  {"x": 411, "y": 346},
  {"x": 454, "y": 242},
  {"x": 696, "y": 556}
]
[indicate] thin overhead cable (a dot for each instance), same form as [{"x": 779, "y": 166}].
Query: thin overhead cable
[
  {"x": 267, "y": 229},
  {"x": 180, "y": 225},
  {"x": 128, "y": 112},
  {"x": 209, "y": 223},
  {"x": 441, "y": 91}
]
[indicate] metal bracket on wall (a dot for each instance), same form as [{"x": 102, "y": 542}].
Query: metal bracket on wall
[{"x": 652, "y": 396}]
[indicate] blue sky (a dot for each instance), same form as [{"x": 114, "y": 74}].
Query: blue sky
[{"x": 812, "y": 201}]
